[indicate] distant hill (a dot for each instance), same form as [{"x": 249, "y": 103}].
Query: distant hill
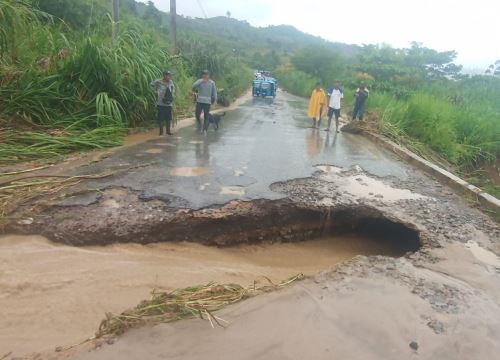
[
  {"x": 244, "y": 35},
  {"x": 247, "y": 39}
]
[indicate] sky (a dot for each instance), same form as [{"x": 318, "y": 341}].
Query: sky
[{"x": 469, "y": 27}]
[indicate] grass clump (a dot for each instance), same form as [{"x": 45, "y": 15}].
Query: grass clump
[
  {"x": 190, "y": 302},
  {"x": 466, "y": 135}
]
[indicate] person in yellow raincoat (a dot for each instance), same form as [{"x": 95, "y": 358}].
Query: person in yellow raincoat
[{"x": 317, "y": 104}]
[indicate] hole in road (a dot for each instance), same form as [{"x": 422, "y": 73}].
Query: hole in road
[{"x": 335, "y": 240}]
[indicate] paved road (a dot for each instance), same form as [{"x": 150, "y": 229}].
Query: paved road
[{"x": 262, "y": 142}]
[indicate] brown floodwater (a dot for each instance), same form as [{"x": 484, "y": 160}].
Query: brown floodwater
[{"x": 53, "y": 294}]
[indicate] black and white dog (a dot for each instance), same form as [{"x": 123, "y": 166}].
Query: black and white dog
[{"x": 213, "y": 119}]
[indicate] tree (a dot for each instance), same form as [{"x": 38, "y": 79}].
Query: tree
[
  {"x": 493, "y": 69},
  {"x": 386, "y": 63},
  {"x": 436, "y": 64},
  {"x": 77, "y": 14},
  {"x": 319, "y": 61},
  {"x": 152, "y": 13},
  {"x": 228, "y": 13}
]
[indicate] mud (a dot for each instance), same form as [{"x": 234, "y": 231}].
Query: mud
[
  {"x": 73, "y": 287},
  {"x": 373, "y": 308}
]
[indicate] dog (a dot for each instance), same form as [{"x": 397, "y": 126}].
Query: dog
[{"x": 213, "y": 119}]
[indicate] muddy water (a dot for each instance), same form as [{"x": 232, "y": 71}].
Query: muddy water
[{"x": 54, "y": 295}]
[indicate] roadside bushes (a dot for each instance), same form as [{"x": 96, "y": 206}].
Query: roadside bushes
[
  {"x": 64, "y": 90},
  {"x": 295, "y": 81},
  {"x": 466, "y": 134}
]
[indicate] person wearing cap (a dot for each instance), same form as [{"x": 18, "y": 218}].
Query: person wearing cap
[
  {"x": 165, "y": 90},
  {"x": 206, "y": 96}
]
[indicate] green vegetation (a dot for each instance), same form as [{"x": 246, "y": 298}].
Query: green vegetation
[
  {"x": 419, "y": 98},
  {"x": 67, "y": 86}
]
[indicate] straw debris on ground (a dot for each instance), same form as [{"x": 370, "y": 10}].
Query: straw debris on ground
[
  {"x": 19, "y": 191},
  {"x": 190, "y": 302}
]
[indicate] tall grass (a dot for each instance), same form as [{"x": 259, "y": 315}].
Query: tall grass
[
  {"x": 64, "y": 89},
  {"x": 466, "y": 134}
]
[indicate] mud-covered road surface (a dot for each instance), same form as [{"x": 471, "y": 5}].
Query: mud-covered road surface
[{"x": 264, "y": 177}]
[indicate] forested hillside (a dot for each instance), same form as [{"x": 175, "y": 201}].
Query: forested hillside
[{"x": 67, "y": 86}]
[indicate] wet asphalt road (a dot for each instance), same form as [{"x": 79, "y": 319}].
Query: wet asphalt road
[{"x": 261, "y": 142}]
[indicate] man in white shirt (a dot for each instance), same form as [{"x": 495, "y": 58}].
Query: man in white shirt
[{"x": 336, "y": 94}]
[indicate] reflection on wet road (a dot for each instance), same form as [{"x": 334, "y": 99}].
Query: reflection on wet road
[{"x": 260, "y": 143}]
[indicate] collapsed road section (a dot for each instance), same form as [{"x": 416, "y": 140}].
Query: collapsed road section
[{"x": 121, "y": 216}]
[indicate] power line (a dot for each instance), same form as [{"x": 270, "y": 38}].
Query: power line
[{"x": 202, "y": 9}]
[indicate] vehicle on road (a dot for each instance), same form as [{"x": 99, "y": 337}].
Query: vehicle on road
[{"x": 265, "y": 87}]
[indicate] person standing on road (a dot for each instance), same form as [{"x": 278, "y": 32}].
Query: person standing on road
[
  {"x": 165, "y": 90},
  {"x": 317, "y": 105},
  {"x": 362, "y": 94},
  {"x": 336, "y": 94},
  {"x": 206, "y": 96}
]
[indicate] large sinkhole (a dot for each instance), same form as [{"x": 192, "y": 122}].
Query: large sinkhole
[{"x": 362, "y": 229}]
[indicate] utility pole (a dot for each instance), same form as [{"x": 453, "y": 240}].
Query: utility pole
[
  {"x": 173, "y": 25},
  {"x": 116, "y": 18}
]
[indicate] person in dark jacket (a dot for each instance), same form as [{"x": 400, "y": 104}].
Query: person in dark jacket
[
  {"x": 206, "y": 96},
  {"x": 362, "y": 94},
  {"x": 165, "y": 90}
]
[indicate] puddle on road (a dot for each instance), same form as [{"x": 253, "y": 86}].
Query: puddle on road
[
  {"x": 363, "y": 186},
  {"x": 153, "y": 151},
  {"x": 54, "y": 294},
  {"x": 110, "y": 204},
  {"x": 165, "y": 144},
  {"x": 204, "y": 186},
  {"x": 189, "y": 171},
  {"x": 482, "y": 254},
  {"x": 329, "y": 169},
  {"x": 232, "y": 190},
  {"x": 116, "y": 192},
  {"x": 140, "y": 137}
]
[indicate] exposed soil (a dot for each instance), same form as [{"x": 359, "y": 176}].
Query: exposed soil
[{"x": 127, "y": 218}]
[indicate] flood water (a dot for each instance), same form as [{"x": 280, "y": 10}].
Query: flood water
[{"x": 54, "y": 295}]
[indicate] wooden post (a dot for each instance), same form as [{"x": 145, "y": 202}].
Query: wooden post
[
  {"x": 116, "y": 18},
  {"x": 173, "y": 25}
]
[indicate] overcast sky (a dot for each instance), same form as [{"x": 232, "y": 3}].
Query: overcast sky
[{"x": 470, "y": 27}]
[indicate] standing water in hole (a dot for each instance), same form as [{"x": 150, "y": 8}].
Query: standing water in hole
[{"x": 74, "y": 287}]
